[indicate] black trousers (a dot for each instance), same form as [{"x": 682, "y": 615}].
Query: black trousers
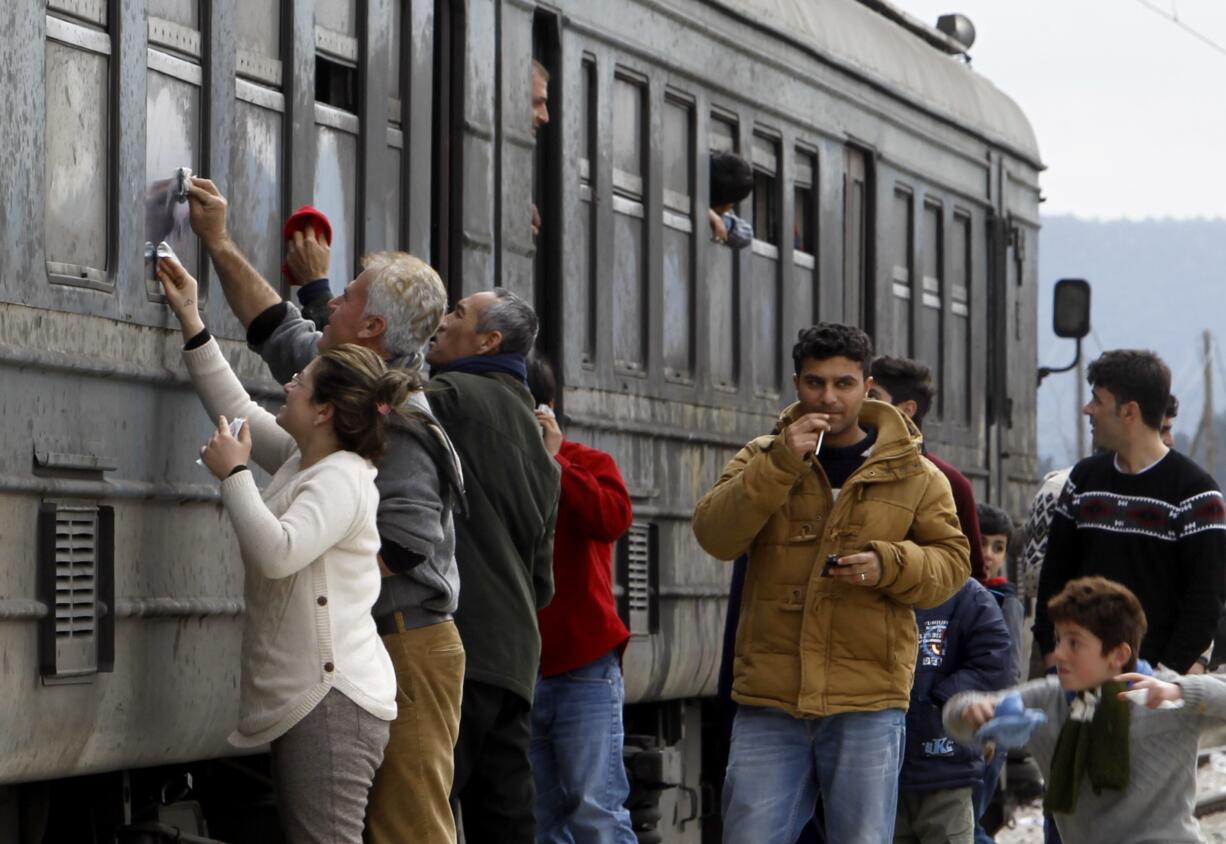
[{"x": 493, "y": 777}]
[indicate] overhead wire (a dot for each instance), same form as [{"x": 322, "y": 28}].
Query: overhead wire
[{"x": 1174, "y": 18}]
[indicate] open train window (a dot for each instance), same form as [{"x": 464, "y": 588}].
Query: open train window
[
  {"x": 79, "y": 174},
  {"x": 931, "y": 311},
  {"x": 174, "y": 131},
  {"x": 679, "y": 275},
  {"x": 257, "y": 171},
  {"x": 629, "y": 224},
  {"x": 804, "y": 237},
  {"x": 956, "y": 385},
  {"x": 337, "y": 184},
  {"x": 902, "y": 302},
  {"x": 723, "y": 277},
  {"x": 766, "y": 199}
]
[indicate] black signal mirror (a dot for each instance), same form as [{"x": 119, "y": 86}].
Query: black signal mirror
[
  {"x": 1070, "y": 317},
  {"x": 1071, "y": 311}
]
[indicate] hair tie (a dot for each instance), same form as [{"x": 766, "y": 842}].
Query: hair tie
[{"x": 384, "y": 408}]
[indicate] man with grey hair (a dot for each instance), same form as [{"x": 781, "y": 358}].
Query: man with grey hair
[
  {"x": 504, "y": 546},
  {"x": 392, "y": 307}
]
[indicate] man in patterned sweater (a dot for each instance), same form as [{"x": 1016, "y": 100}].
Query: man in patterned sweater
[{"x": 1140, "y": 514}]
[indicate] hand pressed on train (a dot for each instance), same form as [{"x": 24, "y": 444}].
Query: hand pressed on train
[
  {"x": 208, "y": 212},
  {"x": 861, "y": 569},
  {"x": 802, "y": 435},
  {"x": 223, "y": 453},
  {"x": 182, "y": 295},
  {"x": 308, "y": 255}
]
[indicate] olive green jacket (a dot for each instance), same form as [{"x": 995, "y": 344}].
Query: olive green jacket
[{"x": 807, "y": 644}]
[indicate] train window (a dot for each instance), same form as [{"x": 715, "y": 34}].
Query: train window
[
  {"x": 857, "y": 257},
  {"x": 395, "y": 62},
  {"x": 77, "y": 179},
  {"x": 957, "y": 380},
  {"x": 336, "y": 187},
  {"x": 173, "y": 139},
  {"x": 804, "y": 239},
  {"x": 338, "y": 16},
  {"x": 257, "y": 176},
  {"x": 901, "y": 241},
  {"x": 90, "y": 11},
  {"x": 393, "y": 231},
  {"x": 629, "y": 229},
  {"x": 584, "y": 251},
  {"x": 723, "y": 281},
  {"x": 182, "y": 12},
  {"x": 766, "y": 210},
  {"x": 931, "y": 312},
  {"x": 679, "y": 277},
  {"x": 259, "y": 40}
]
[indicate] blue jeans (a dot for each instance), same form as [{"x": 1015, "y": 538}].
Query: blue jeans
[
  {"x": 778, "y": 764},
  {"x": 576, "y": 756}
]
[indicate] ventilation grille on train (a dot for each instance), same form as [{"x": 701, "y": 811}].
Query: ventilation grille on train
[
  {"x": 76, "y": 537},
  {"x": 639, "y": 579},
  {"x": 76, "y": 583}
]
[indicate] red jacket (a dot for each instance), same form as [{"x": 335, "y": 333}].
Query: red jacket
[
  {"x": 964, "y": 503},
  {"x": 581, "y": 622}
]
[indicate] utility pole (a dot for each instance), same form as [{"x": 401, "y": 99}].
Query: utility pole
[
  {"x": 1079, "y": 420},
  {"x": 1207, "y": 413}
]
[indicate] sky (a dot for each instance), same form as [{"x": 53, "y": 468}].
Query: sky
[{"x": 1129, "y": 109}]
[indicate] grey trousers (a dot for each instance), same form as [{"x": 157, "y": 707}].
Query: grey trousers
[{"x": 322, "y": 770}]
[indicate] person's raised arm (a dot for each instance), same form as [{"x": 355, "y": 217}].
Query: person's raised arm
[
  {"x": 247, "y": 292},
  {"x": 219, "y": 389}
]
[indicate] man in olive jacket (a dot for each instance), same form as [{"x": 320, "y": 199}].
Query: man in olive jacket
[
  {"x": 504, "y": 549},
  {"x": 825, "y": 652}
]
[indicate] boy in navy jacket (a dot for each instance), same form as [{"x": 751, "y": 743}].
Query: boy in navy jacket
[{"x": 963, "y": 645}]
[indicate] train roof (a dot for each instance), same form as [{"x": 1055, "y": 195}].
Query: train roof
[{"x": 899, "y": 54}]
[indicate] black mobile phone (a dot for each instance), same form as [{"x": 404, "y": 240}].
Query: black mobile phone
[{"x": 831, "y": 560}]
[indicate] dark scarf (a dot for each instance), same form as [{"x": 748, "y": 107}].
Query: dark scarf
[
  {"x": 507, "y": 364},
  {"x": 1093, "y": 742}
]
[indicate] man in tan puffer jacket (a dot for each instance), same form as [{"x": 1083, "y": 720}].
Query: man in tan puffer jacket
[{"x": 825, "y": 652}]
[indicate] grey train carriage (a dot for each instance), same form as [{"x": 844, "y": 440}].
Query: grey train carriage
[{"x": 894, "y": 187}]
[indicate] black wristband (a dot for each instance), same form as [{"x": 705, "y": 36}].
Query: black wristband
[
  {"x": 198, "y": 340},
  {"x": 241, "y": 467},
  {"x": 262, "y": 327}
]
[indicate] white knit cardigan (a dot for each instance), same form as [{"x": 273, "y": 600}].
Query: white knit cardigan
[{"x": 309, "y": 546}]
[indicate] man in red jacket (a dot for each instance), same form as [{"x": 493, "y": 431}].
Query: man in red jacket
[{"x": 577, "y": 731}]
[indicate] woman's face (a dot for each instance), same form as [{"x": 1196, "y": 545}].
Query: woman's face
[{"x": 300, "y": 415}]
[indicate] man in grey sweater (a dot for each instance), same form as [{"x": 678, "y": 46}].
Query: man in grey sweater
[{"x": 393, "y": 307}]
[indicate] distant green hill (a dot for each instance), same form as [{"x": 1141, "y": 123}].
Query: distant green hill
[{"x": 1157, "y": 284}]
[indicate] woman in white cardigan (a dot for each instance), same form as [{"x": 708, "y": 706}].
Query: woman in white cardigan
[{"x": 316, "y": 680}]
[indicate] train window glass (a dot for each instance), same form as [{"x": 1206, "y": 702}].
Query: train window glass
[
  {"x": 584, "y": 252},
  {"x": 901, "y": 241},
  {"x": 90, "y": 11},
  {"x": 857, "y": 257},
  {"x": 76, "y": 230},
  {"x": 394, "y": 59},
  {"x": 679, "y": 277},
  {"x": 336, "y": 187},
  {"x": 182, "y": 12},
  {"x": 723, "y": 280},
  {"x": 806, "y": 296},
  {"x": 340, "y": 16},
  {"x": 259, "y": 40},
  {"x": 172, "y": 140},
  {"x": 336, "y": 83},
  {"x": 257, "y": 176},
  {"x": 629, "y": 226},
  {"x": 931, "y": 312},
  {"x": 766, "y": 210},
  {"x": 395, "y": 169},
  {"x": 957, "y": 380}
]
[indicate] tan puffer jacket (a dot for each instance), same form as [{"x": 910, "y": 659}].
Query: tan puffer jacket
[{"x": 807, "y": 644}]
